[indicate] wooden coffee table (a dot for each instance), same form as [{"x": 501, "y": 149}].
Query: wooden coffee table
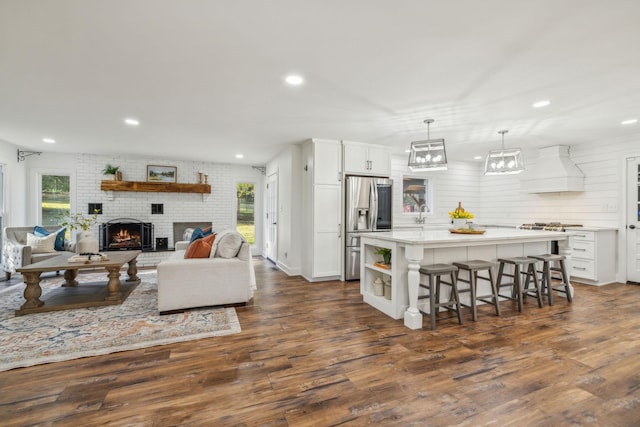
[{"x": 70, "y": 295}]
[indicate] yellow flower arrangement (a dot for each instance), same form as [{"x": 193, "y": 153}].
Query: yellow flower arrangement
[{"x": 460, "y": 213}]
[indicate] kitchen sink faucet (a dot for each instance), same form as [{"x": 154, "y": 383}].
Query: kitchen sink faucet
[{"x": 421, "y": 219}]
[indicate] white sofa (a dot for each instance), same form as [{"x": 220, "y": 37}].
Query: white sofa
[{"x": 202, "y": 282}]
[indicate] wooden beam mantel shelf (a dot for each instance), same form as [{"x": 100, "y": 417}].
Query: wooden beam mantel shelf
[{"x": 164, "y": 187}]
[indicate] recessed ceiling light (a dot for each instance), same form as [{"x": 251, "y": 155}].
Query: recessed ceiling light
[
  {"x": 407, "y": 151},
  {"x": 294, "y": 80},
  {"x": 477, "y": 158},
  {"x": 239, "y": 156},
  {"x": 49, "y": 140},
  {"x": 629, "y": 121},
  {"x": 132, "y": 122},
  {"x": 542, "y": 103}
]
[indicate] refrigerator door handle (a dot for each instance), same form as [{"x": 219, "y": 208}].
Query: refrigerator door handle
[{"x": 373, "y": 209}]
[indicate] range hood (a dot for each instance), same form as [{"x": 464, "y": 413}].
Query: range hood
[{"x": 553, "y": 172}]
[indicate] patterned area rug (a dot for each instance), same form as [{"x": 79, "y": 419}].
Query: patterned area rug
[{"x": 70, "y": 334}]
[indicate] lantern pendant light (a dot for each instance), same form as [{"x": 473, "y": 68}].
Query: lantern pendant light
[
  {"x": 504, "y": 161},
  {"x": 429, "y": 154}
]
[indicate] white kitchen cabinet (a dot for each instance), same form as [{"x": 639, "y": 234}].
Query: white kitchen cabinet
[
  {"x": 366, "y": 159},
  {"x": 322, "y": 210},
  {"x": 593, "y": 256}
]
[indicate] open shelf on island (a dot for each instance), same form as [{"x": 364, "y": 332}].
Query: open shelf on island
[{"x": 151, "y": 187}]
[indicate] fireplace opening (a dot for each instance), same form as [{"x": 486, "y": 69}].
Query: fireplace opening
[{"x": 126, "y": 234}]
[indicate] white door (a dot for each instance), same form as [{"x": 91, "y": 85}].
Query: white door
[
  {"x": 633, "y": 219},
  {"x": 272, "y": 217}
]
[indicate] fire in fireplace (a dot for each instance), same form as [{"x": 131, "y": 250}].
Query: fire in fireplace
[{"x": 126, "y": 234}]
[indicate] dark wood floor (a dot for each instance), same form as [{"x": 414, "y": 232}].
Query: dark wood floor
[{"x": 314, "y": 354}]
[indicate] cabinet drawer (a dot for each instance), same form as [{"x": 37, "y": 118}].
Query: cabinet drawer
[
  {"x": 583, "y": 249},
  {"x": 584, "y": 235},
  {"x": 583, "y": 268}
]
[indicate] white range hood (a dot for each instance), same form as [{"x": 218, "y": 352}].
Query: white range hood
[{"x": 553, "y": 172}]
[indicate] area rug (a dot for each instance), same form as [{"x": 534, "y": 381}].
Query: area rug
[{"x": 70, "y": 334}]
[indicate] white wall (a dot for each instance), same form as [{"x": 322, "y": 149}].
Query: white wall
[
  {"x": 601, "y": 204},
  {"x": 288, "y": 165},
  {"x": 219, "y": 207},
  {"x": 459, "y": 183},
  {"x": 15, "y": 184}
]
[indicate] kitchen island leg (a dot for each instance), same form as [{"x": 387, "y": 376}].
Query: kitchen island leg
[{"x": 412, "y": 317}]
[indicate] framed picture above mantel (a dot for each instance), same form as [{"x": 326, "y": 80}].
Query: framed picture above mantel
[{"x": 156, "y": 173}]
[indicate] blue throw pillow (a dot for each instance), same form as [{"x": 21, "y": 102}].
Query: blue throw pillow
[
  {"x": 43, "y": 232},
  {"x": 59, "y": 244},
  {"x": 40, "y": 232},
  {"x": 207, "y": 231},
  {"x": 197, "y": 234}
]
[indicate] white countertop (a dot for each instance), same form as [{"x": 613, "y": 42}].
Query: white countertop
[
  {"x": 590, "y": 228},
  {"x": 491, "y": 236}
]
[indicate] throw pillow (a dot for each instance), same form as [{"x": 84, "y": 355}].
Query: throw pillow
[
  {"x": 59, "y": 242},
  {"x": 207, "y": 231},
  {"x": 229, "y": 245},
  {"x": 201, "y": 248},
  {"x": 41, "y": 245},
  {"x": 197, "y": 234}
]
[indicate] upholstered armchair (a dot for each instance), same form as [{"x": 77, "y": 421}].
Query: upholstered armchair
[{"x": 16, "y": 253}]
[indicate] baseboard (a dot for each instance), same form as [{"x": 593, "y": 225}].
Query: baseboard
[
  {"x": 290, "y": 271},
  {"x": 321, "y": 279}
]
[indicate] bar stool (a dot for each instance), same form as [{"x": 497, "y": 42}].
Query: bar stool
[
  {"x": 436, "y": 271},
  {"x": 522, "y": 267},
  {"x": 547, "y": 275},
  {"x": 473, "y": 267}
]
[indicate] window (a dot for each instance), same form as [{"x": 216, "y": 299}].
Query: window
[
  {"x": 416, "y": 195},
  {"x": 55, "y": 200},
  {"x": 245, "y": 217}
]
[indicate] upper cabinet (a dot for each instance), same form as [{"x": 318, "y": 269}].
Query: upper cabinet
[
  {"x": 327, "y": 161},
  {"x": 366, "y": 159}
]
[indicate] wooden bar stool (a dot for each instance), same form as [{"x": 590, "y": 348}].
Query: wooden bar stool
[
  {"x": 547, "y": 275},
  {"x": 473, "y": 267},
  {"x": 523, "y": 266},
  {"x": 436, "y": 271}
]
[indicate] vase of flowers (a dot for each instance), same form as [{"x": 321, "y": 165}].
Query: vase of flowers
[
  {"x": 460, "y": 217},
  {"x": 85, "y": 240}
]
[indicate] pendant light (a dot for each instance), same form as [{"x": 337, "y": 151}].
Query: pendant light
[
  {"x": 429, "y": 154},
  {"x": 504, "y": 161}
]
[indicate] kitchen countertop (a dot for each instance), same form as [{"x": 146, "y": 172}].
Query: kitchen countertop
[
  {"x": 590, "y": 228},
  {"x": 444, "y": 237}
]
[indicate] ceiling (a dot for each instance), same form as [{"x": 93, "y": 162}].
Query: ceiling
[{"x": 205, "y": 78}]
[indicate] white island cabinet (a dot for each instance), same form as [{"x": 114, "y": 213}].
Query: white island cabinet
[
  {"x": 594, "y": 255},
  {"x": 411, "y": 249}
]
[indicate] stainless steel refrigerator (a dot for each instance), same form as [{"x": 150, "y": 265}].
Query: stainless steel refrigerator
[{"x": 368, "y": 209}]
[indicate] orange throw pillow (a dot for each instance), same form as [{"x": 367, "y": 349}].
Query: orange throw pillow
[{"x": 200, "y": 248}]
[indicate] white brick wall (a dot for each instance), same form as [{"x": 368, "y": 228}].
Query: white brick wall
[{"x": 219, "y": 207}]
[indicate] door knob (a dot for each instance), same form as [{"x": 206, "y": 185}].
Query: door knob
[{"x": 632, "y": 226}]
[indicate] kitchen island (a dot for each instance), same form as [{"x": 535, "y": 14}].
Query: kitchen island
[{"x": 410, "y": 249}]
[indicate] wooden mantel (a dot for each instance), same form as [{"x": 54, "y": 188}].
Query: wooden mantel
[{"x": 145, "y": 186}]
